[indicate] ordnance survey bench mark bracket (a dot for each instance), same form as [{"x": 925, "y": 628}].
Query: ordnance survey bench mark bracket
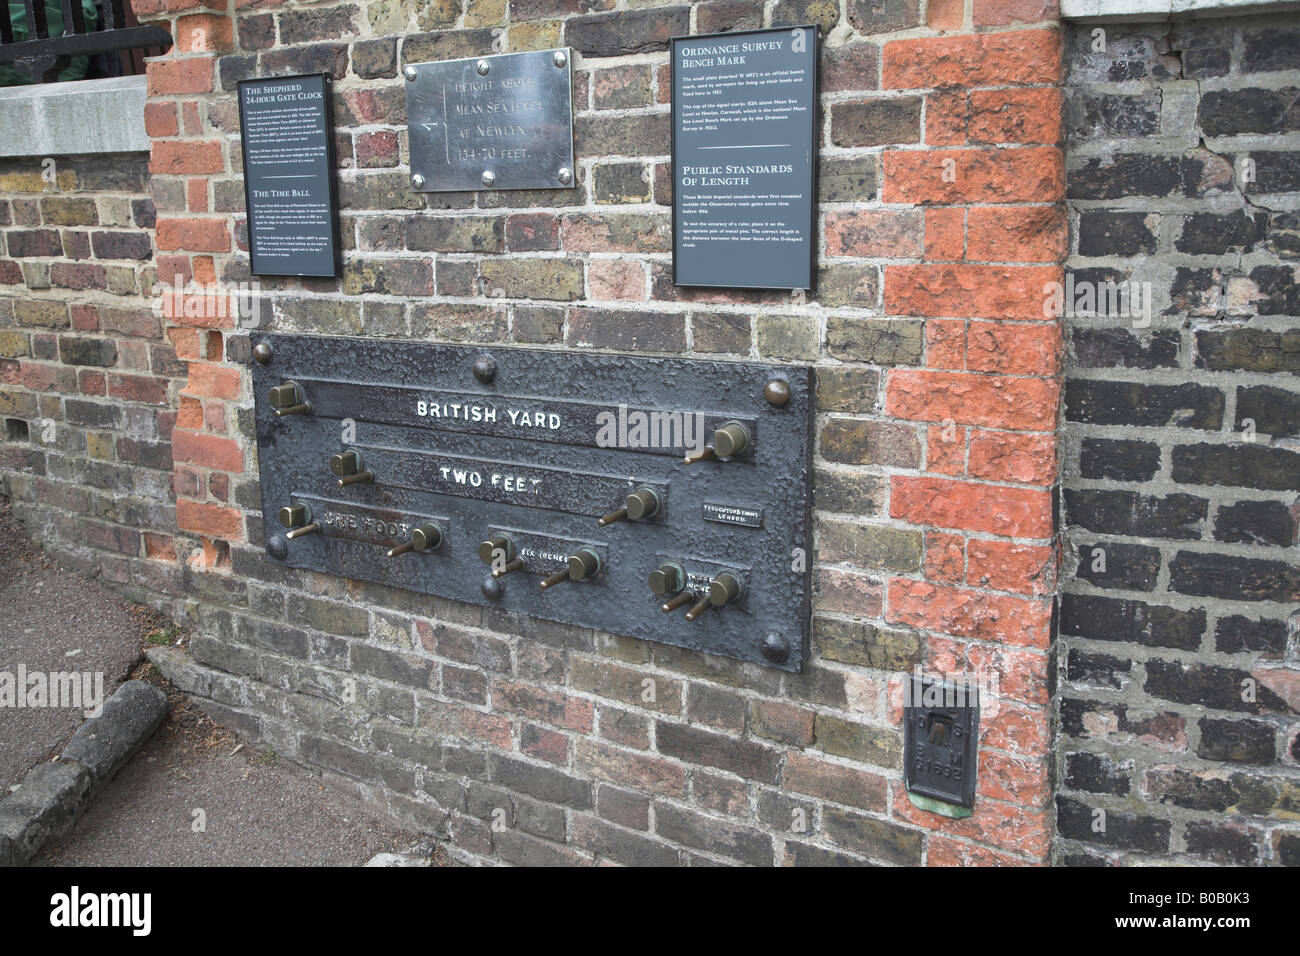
[{"x": 513, "y": 445}]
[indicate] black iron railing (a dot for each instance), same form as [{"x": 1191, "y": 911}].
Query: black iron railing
[{"x": 43, "y": 39}]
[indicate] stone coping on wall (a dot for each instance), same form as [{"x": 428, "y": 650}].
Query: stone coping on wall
[
  {"x": 77, "y": 118},
  {"x": 1114, "y": 10}
]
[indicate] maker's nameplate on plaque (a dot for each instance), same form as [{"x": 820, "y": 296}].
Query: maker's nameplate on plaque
[{"x": 492, "y": 122}]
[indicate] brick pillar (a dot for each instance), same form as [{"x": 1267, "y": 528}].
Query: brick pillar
[
  {"x": 187, "y": 154},
  {"x": 987, "y": 176}
]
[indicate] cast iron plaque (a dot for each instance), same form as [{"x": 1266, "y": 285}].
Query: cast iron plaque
[
  {"x": 539, "y": 445},
  {"x": 940, "y": 736},
  {"x": 491, "y": 122},
  {"x": 289, "y": 184},
  {"x": 745, "y": 135}
]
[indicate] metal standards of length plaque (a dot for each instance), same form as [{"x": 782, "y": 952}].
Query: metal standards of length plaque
[{"x": 492, "y": 122}]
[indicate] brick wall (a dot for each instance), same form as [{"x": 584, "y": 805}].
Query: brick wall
[
  {"x": 942, "y": 211},
  {"x": 87, "y": 379},
  {"x": 1178, "y": 614}
]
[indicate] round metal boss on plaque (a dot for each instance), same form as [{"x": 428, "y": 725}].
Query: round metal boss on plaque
[
  {"x": 262, "y": 353},
  {"x": 277, "y": 546},
  {"x": 777, "y": 392},
  {"x": 417, "y": 181},
  {"x": 560, "y": 59},
  {"x": 410, "y": 73},
  {"x": 483, "y": 67},
  {"x": 485, "y": 368}
]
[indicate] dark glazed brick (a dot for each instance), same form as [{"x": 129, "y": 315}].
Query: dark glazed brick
[
  {"x": 1125, "y": 348},
  {"x": 1093, "y": 115},
  {"x": 1207, "y": 233},
  {"x": 1256, "y": 522},
  {"x": 1208, "y": 685},
  {"x": 1102, "y": 670},
  {"x": 742, "y": 757},
  {"x": 1229, "y": 845},
  {"x": 1233, "y": 578},
  {"x": 1271, "y": 49},
  {"x": 878, "y": 122},
  {"x": 1243, "y": 464},
  {"x": 1251, "y": 350},
  {"x": 724, "y": 15},
  {"x": 1126, "y": 512},
  {"x": 715, "y": 836},
  {"x": 1235, "y": 634},
  {"x": 1096, "y": 773},
  {"x": 1126, "y": 175},
  {"x": 872, "y": 837},
  {"x": 1233, "y": 112},
  {"x": 1275, "y": 412},
  {"x": 1110, "y": 564},
  {"x": 1110, "y": 619},
  {"x": 1105, "y": 233},
  {"x": 1130, "y": 403},
  {"x": 1076, "y": 820},
  {"x": 884, "y": 16},
  {"x": 1237, "y": 741},
  {"x": 1118, "y": 459},
  {"x": 633, "y": 31}
]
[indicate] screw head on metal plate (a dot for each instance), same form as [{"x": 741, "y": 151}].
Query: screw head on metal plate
[
  {"x": 417, "y": 181},
  {"x": 560, "y": 59},
  {"x": 483, "y": 67},
  {"x": 565, "y": 175},
  {"x": 410, "y": 73}
]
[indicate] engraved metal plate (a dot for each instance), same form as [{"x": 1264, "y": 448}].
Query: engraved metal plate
[
  {"x": 522, "y": 453},
  {"x": 492, "y": 122}
]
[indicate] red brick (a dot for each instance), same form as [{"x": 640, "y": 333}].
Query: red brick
[
  {"x": 41, "y": 377},
  {"x": 160, "y": 547},
  {"x": 213, "y": 381},
  {"x": 945, "y": 118},
  {"x": 945, "y": 558},
  {"x": 945, "y": 234},
  {"x": 138, "y": 388},
  {"x": 1010, "y": 826},
  {"x": 1021, "y": 672},
  {"x": 196, "y": 195},
  {"x": 941, "y": 851},
  {"x": 945, "y": 449},
  {"x": 874, "y": 233},
  {"x": 1008, "y": 456},
  {"x": 1013, "y": 349},
  {"x": 1016, "y": 234},
  {"x": 997, "y": 13},
  {"x": 834, "y": 782},
  {"x": 189, "y": 414},
  {"x": 1022, "y": 57},
  {"x": 1014, "y": 727},
  {"x": 1023, "y": 622},
  {"x": 991, "y": 292},
  {"x": 549, "y": 745},
  {"x": 216, "y": 521},
  {"x": 186, "y": 482},
  {"x": 209, "y": 451},
  {"x": 996, "y": 401},
  {"x": 970, "y": 506},
  {"x": 92, "y": 382},
  {"x": 945, "y": 15},
  {"x": 783, "y": 721},
  {"x": 176, "y": 158},
  {"x": 176, "y": 77},
  {"x": 203, "y": 33},
  {"x": 195, "y": 235},
  {"x": 1004, "y": 566},
  {"x": 847, "y": 592},
  {"x": 1014, "y": 116},
  {"x": 1007, "y": 175},
  {"x": 160, "y": 119},
  {"x": 945, "y": 343}
]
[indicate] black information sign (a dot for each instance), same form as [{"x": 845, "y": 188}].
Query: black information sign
[
  {"x": 745, "y": 159},
  {"x": 289, "y": 185}
]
